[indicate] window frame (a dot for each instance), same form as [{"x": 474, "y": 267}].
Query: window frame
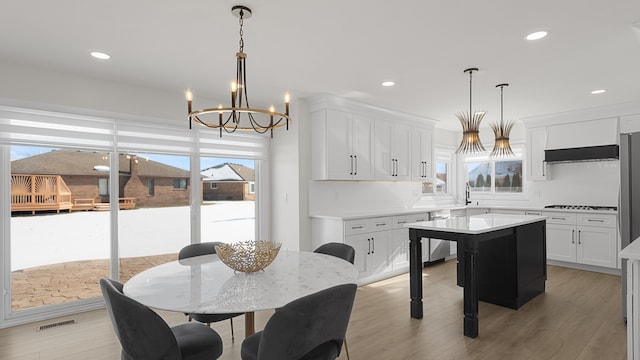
[{"x": 518, "y": 150}]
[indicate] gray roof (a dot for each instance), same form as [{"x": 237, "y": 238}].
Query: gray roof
[{"x": 68, "y": 162}]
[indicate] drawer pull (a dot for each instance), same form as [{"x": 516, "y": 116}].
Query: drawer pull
[
  {"x": 595, "y": 220},
  {"x": 558, "y": 218},
  {"x": 356, "y": 227},
  {"x": 402, "y": 222},
  {"x": 381, "y": 224}
]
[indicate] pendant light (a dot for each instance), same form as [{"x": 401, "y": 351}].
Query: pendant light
[
  {"x": 502, "y": 147},
  {"x": 470, "y": 125}
]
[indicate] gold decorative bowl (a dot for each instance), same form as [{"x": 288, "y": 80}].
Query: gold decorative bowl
[{"x": 248, "y": 256}]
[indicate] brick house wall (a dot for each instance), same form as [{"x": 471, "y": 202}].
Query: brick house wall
[{"x": 225, "y": 191}]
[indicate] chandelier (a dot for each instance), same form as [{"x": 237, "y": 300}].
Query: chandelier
[
  {"x": 470, "y": 125},
  {"x": 240, "y": 115},
  {"x": 501, "y": 147}
]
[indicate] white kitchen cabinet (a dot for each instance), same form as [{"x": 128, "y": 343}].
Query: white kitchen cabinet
[
  {"x": 399, "y": 244},
  {"x": 536, "y": 143},
  {"x": 341, "y": 146},
  {"x": 370, "y": 237},
  {"x": 422, "y": 164},
  {"x": 569, "y": 240},
  {"x": 391, "y": 147},
  {"x": 507, "y": 211},
  {"x": 597, "y": 246},
  {"x": 561, "y": 242}
]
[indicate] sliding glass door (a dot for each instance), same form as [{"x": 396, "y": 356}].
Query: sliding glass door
[{"x": 59, "y": 239}]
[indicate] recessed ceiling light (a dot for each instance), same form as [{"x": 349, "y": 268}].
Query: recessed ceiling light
[
  {"x": 599, "y": 91},
  {"x": 388, "y": 83},
  {"x": 100, "y": 55},
  {"x": 537, "y": 35}
]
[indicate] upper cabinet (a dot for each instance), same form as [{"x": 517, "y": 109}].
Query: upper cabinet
[
  {"x": 422, "y": 164},
  {"x": 353, "y": 141},
  {"x": 391, "y": 151},
  {"x": 536, "y": 142},
  {"x": 341, "y": 144}
]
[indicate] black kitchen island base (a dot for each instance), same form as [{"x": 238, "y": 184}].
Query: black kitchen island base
[{"x": 506, "y": 267}]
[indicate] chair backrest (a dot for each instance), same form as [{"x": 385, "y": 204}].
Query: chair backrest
[
  {"x": 306, "y": 323},
  {"x": 340, "y": 250},
  {"x": 143, "y": 334},
  {"x": 205, "y": 248}
]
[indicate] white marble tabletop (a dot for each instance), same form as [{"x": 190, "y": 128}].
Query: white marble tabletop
[
  {"x": 631, "y": 251},
  {"x": 204, "y": 284},
  {"x": 476, "y": 224}
]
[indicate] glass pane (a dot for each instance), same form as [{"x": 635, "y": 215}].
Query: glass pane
[
  {"x": 228, "y": 206},
  {"x": 60, "y": 233},
  {"x": 441, "y": 177},
  {"x": 479, "y": 176},
  {"x": 509, "y": 176},
  {"x": 154, "y": 221}
]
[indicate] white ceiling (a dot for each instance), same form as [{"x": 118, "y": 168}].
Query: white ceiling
[{"x": 346, "y": 48}]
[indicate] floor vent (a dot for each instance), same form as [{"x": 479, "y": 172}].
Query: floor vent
[{"x": 50, "y": 326}]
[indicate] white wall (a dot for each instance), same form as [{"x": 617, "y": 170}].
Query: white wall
[{"x": 290, "y": 171}]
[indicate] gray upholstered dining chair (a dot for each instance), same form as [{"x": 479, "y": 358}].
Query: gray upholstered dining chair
[
  {"x": 342, "y": 251},
  {"x": 310, "y": 328},
  {"x": 206, "y": 248},
  {"x": 143, "y": 334}
]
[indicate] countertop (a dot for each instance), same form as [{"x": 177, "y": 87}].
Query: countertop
[
  {"x": 632, "y": 251},
  {"x": 476, "y": 224},
  {"x": 408, "y": 211}
]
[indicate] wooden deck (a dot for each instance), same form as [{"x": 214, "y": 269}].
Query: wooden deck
[{"x": 39, "y": 193}]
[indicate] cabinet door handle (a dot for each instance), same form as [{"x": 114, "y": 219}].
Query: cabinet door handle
[
  {"x": 579, "y": 237},
  {"x": 595, "y": 220},
  {"x": 351, "y": 163},
  {"x": 355, "y": 157},
  {"x": 573, "y": 236},
  {"x": 373, "y": 245},
  {"x": 543, "y": 168},
  {"x": 369, "y": 250}
]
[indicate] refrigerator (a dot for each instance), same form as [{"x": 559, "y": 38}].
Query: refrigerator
[{"x": 629, "y": 201}]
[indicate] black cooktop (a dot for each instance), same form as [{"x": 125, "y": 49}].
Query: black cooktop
[{"x": 583, "y": 207}]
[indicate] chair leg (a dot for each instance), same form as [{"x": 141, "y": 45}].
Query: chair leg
[
  {"x": 346, "y": 348},
  {"x": 232, "y": 336}
]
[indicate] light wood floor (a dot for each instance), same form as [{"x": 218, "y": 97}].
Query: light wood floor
[{"x": 579, "y": 317}]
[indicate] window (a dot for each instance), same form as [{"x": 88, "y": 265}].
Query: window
[
  {"x": 487, "y": 175},
  {"x": 441, "y": 177},
  {"x": 479, "y": 176},
  {"x": 103, "y": 186},
  {"x": 151, "y": 187},
  {"x": 214, "y": 186},
  {"x": 252, "y": 187},
  {"x": 180, "y": 184},
  {"x": 509, "y": 176}
]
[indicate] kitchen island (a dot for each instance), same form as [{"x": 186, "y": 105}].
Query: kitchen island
[{"x": 501, "y": 260}]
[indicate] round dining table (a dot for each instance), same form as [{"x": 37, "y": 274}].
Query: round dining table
[{"x": 205, "y": 285}]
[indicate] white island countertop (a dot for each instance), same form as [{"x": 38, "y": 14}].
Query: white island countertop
[
  {"x": 631, "y": 251},
  {"x": 476, "y": 224}
]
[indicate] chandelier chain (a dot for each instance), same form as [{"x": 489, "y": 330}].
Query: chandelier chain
[{"x": 241, "y": 21}]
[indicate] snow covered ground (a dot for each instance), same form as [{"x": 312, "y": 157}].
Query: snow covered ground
[{"x": 56, "y": 238}]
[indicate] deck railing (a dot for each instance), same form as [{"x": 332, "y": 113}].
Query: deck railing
[{"x": 39, "y": 193}]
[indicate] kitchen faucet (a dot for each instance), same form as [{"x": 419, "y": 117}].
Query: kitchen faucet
[{"x": 466, "y": 195}]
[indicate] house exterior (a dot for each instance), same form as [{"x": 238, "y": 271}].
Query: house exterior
[
  {"x": 86, "y": 174},
  {"x": 228, "y": 182}
]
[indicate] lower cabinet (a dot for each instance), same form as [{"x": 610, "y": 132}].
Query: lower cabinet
[
  {"x": 573, "y": 238},
  {"x": 399, "y": 249},
  {"x": 371, "y": 252}
]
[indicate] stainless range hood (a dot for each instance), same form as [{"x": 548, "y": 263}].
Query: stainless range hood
[{"x": 589, "y": 153}]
